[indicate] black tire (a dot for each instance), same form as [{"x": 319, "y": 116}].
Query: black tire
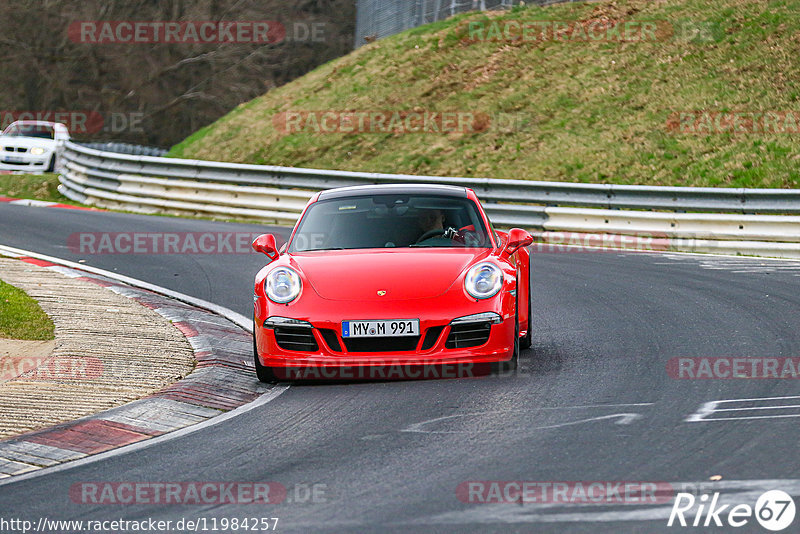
[
  {"x": 264, "y": 374},
  {"x": 52, "y": 165},
  {"x": 511, "y": 365},
  {"x": 527, "y": 341}
]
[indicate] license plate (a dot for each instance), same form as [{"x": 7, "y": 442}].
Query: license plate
[
  {"x": 12, "y": 159},
  {"x": 382, "y": 328}
]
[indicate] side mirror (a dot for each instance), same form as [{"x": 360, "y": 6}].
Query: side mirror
[
  {"x": 265, "y": 243},
  {"x": 517, "y": 239}
]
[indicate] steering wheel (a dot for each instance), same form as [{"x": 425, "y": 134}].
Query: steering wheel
[{"x": 429, "y": 234}]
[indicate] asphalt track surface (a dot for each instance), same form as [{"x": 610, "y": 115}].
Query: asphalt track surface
[{"x": 593, "y": 400}]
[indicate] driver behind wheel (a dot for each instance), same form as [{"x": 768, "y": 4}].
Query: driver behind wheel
[
  {"x": 430, "y": 220},
  {"x": 432, "y": 230}
]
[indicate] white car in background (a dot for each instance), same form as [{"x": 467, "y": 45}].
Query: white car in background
[{"x": 31, "y": 146}]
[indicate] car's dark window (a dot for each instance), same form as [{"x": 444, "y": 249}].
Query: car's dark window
[
  {"x": 30, "y": 130},
  {"x": 390, "y": 221}
]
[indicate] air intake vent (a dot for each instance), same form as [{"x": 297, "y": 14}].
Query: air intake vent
[
  {"x": 331, "y": 339},
  {"x": 468, "y": 335},
  {"x": 296, "y": 338},
  {"x": 431, "y": 337}
]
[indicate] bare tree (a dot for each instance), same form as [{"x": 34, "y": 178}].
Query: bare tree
[{"x": 174, "y": 88}]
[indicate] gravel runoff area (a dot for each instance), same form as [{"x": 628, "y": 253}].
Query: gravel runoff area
[{"x": 109, "y": 350}]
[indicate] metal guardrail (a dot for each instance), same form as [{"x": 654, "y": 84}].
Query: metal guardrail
[
  {"x": 272, "y": 193},
  {"x": 127, "y": 148}
]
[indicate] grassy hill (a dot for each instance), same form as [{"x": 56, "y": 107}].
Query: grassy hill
[{"x": 560, "y": 107}]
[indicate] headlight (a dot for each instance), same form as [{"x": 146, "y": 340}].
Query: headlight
[
  {"x": 483, "y": 280},
  {"x": 37, "y": 151},
  {"x": 282, "y": 285}
]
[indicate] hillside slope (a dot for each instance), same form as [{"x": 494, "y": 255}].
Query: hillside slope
[{"x": 549, "y": 104}]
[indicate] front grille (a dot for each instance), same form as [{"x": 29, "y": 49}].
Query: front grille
[
  {"x": 331, "y": 339},
  {"x": 468, "y": 335},
  {"x": 296, "y": 338},
  {"x": 21, "y": 149},
  {"x": 9, "y": 149},
  {"x": 381, "y": 344}
]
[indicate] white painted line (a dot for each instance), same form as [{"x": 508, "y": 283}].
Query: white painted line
[
  {"x": 133, "y": 447},
  {"x": 754, "y": 270},
  {"x": 32, "y": 202},
  {"x": 665, "y": 253},
  {"x": 749, "y": 417},
  {"x": 758, "y": 408},
  {"x": 66, "y": 271},
  {"x": 624, "y": 419},
  {"x": 756, "y": 399},
  {"x": 714, "y": 255},
  {"x": 710, "y": 408}
]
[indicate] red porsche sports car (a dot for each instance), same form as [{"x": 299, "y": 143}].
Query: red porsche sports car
[{"x": 392, "y": 275}]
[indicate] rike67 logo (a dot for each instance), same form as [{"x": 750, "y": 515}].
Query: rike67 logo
[{"x": 774, "y": 510}]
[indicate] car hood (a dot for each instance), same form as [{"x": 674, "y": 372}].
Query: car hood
[
  {"x": 402, "y": 274},
  {"x": 30, "y": 142}
]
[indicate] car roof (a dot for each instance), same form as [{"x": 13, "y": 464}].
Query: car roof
[
  {"x": 56, "y": 126},
  {"x": 394, "y": 189},
  {"x": 36, "y": 123}
]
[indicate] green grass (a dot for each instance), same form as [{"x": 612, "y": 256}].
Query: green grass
[
  {"x": 21, "y": 317},
  {"x": 34, "y": 186},
  {"x": 574, "y": 111}
]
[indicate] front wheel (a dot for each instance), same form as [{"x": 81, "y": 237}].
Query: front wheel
[
  {"x": 527, "y": 341},
  {"x": 264, "y": 373}
]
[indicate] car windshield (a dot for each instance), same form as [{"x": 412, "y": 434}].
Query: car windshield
[
  {"x": 30, "y": 130},
  {"x": 390, "y": 221}
]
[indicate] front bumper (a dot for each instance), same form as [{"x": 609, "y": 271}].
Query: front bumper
[
  {"x": 498, "y": 347},
  {"x": 24, "y": 162}
]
